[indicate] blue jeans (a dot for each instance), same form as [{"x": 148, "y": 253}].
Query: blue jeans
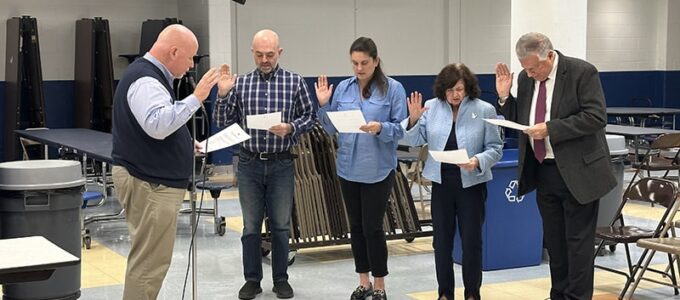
[{"x": 265, "y": 186}]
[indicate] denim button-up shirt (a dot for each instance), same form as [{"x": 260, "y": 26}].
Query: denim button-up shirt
[
  {"x": 362, "y": 157},
  {"x": 481, "y": 139}
]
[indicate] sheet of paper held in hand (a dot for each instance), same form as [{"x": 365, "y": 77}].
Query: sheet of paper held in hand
[
  {"x": 347, "y": 121},
  {"x": 506, "y": 123},
  {"x": 263, "y": 121},
  {"x": 229, "y": 136},
  {"x": 451, "y": 157}
]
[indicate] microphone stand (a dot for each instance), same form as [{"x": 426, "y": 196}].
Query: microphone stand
[
  {"x": 192, "y": 195},
  {"x": 192, "y": 199},
  {"x": 194, "y": 215}
]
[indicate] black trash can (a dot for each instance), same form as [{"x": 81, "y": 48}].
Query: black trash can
[{"x": 43, "y": 197}]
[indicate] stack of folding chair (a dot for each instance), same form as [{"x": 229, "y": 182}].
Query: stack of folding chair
[{"x": 319, "y": 214}]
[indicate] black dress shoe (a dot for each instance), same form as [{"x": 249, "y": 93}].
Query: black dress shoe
[
  {"x": 249, "y": 290},
  {"x": 283, "y": 290},
  {"x": 361, "y": 292},
  {"x": 379, "y": 295}
]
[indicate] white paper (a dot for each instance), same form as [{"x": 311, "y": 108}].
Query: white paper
[
  {"x": 459, "y": 156},
  {"x": 506, "y": 123},
  {"x": 227, "y": 137},
  {"x": 263, "y": 121},
  {"x": 347, "y": 121}
]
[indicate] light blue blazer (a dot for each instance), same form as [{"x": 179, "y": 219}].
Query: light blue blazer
[{"x": 479, "y": 138}]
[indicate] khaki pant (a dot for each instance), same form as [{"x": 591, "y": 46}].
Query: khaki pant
[{"x": 151, "y": 213}]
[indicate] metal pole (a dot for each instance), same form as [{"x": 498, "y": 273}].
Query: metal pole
[{"x": 194, "y": 215}]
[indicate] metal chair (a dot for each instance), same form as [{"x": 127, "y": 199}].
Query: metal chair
[
  {"x": 215, "y": 189},
  {"x": 655, "y": 161},
  {"x": 414, "y": 175},
  {"x": 643, "y": 121},
  {"x": 26, "y": 144},
  {"x": 660, "y": 243},
  {"x": 88, "y": 196},
  {"x": 651, "y": 190}
]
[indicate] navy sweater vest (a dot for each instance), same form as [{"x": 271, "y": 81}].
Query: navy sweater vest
[{"x": 166, "y": 161}]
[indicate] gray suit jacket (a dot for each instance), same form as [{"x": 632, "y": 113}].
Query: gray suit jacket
[{"x": 576, "y": 129}]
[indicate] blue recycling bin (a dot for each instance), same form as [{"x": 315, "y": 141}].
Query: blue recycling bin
[{"x": 512, "y": 234}]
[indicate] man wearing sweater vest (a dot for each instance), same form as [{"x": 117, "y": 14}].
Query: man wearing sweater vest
[{"x": 153, "y": 152}]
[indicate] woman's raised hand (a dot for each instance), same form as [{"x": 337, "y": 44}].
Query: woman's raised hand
[{"x": 415, "y": 108}]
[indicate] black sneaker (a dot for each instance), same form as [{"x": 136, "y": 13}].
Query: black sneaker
[
  {"x": 249, "y": 290},
  {"x": 283, "y": 290},
  {"x": 379, "y": 295},
  {"x": 361, "y": 292}
]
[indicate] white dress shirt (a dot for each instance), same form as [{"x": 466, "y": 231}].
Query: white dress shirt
[{"x": 549, "y": 88}]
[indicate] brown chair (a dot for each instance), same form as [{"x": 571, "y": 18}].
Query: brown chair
[
  {"x": 661, "y": 243},
  {"x": 651, "y": 190},
  {"x": 414, "y": 175},
  {"x": 27, "y": 143},
  {"x": 653, "y": 161}
]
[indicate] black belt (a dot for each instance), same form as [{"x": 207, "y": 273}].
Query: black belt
[
  {"x": 267, "y": 155},
  {"x": 549, "y": 161}
]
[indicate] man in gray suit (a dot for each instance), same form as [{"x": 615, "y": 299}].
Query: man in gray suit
[{"x": 563, "y": 154}]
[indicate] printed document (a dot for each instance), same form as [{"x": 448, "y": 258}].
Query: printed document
[
  {"x": 347, "y": 121},
  {"x": 459, "y": 156},
  {"x": 506, "y": 123},
  {"x": 228, "y": 137},
  {"x": 263, "y": 121}
]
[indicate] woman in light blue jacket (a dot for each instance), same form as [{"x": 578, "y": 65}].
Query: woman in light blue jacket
[{"x": 455, "y": 120}]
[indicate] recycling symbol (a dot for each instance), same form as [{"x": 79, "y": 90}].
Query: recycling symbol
[{"x": 510, "y": 195}]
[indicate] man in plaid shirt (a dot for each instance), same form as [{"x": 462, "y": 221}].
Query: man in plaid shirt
[{"x": 265, "y": 169}]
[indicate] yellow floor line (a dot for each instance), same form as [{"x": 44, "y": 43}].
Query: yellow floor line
[{"x": 607, "y": 287}]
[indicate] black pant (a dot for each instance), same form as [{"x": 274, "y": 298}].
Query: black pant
[
  {"x": 450, "y": 203},
  {"x": 366, "y": 204},
  {"x": 568, "y": 234}
]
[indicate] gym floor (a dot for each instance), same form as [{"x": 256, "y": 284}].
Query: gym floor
[{"x": 326, "y": 272}]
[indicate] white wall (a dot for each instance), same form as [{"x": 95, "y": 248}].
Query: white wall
[
  {"x": 315, "y": 35},
  {"x": 622, "y": 34},
  {"x": 413, "y": 37},
  {"x": 673, "y": 36},
  {"x": 221, "y": 32},
  {"x": 194, "y": 15},
  {"x": 56, "y": 28},
  {"x": 484, "y": 34},
  {"x": 567, "y": 31},
  {"x": 409, "y": 34}
]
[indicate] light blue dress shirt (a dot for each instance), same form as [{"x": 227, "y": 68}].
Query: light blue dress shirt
[
  {"x": 362, "y": 157},
  {"x": 152, "y": 105},
  {"x": 481, "y": 139}
]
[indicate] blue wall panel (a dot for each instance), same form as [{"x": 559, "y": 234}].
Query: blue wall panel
[
  {"x": 671, "y": 91},
  {"x": 59, "y": 103},
  {"x": 620, "y": 87},
  {"x": 662, "y": 87}
]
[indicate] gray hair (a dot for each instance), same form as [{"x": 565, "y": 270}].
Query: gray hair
[{"x": 533, "y": 43}]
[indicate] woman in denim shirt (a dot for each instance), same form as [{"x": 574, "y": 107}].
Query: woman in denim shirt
[
  {"x": 366, "y": 161},
  {"x": 455, "y": 120}
]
